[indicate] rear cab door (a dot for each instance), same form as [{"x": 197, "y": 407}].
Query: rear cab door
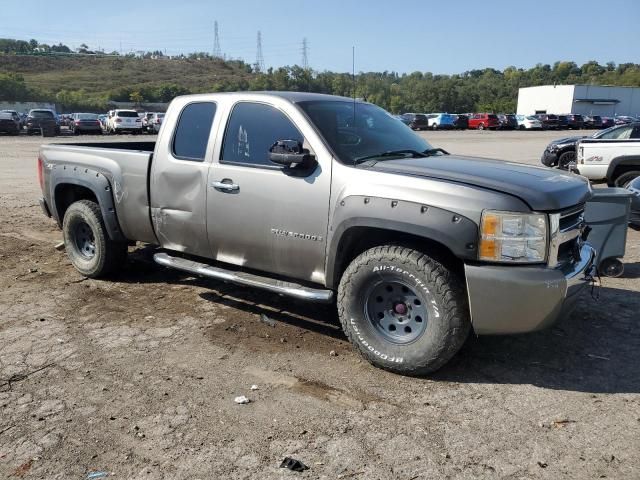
[{"x": 179, "y": 171}]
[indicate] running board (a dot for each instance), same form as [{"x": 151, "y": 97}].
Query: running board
[{"x": 243, "y": 278}]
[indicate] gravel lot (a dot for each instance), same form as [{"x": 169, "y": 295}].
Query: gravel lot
[{"x": 136, "y": 376}]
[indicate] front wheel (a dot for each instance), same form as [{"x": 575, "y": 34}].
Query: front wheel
[
  {"x": 87, "y": 242},
  {"x": 403, "y": 310},
  {"x": 567, "y": 160},
  {"x": 481, "y": 126}
]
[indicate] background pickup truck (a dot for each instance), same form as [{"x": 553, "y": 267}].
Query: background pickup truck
[
  {"x": 616, "y": 160},
  {"x": 322, "y": 198}
]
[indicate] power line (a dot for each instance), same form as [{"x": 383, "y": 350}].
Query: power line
[
  {"x": 217, "y": 51},
  {"x": 259, "y": 57},
  {"x": 305, "y": 54}
]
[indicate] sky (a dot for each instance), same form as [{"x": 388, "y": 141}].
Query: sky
[{"x": 443, "y": 36}]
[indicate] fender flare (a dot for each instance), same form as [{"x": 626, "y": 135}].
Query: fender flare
[
  {"x": 94, "y": 181},
  {"x": 622, "y": 160},
  {"x": 459, "y": 234}
]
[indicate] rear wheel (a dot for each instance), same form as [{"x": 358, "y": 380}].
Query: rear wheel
[
  {"x": 87, "y": 242},
  {"x": 626, "y": 178},
  {"x": 404, "y": 311},
  {"x": 434, "y": 126},
  {"x": 481, "y": 126}
]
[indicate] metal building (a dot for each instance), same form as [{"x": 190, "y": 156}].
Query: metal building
[{"x": 583, "y": 99}]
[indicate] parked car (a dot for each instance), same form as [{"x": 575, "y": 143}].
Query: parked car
[
  {"x": 592, "y": 121},
  {"x": 607, "y": 122},
  {"x": 549, "y": 121},
  {"x": 528, "y": 122},
  {"x": 16, "y": 116},
  {"x": 481, "y": 121},
  {"x": 42, "y": 118},
  {"x": 563, "y": 122},
  {"x": 623, "y": 119},
  {"x": 574, "y": 121},
  {"x": 464, "y": 240},
  {"x": 416, "y": 121},
  {"x": 562, "y": 152},
  {"x": 9, "y": 124},
  {"x": 613, "y": 157},
  {"x": 634, "y": 218},
  {"x": 156, "y": 121},
  {"x": 145, "y": 122},
  {"x": 461, "y": 122},
  {"x": 123, "y": 121},
  {"x": 508, "y": 122},
  {"x": 85, "y": 123},
  {"x": 440, "y": 121}
]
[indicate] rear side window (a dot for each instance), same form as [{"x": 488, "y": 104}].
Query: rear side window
[
  {"x": 192, "y": 132},
  {"x": 252, "y": 129}
]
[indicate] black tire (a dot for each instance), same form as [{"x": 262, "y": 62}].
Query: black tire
[
  {"x": 87, "y": 242},
  {"x": 566, "y": 158},
  {"x": 626, "y": 178},
  {"x": 434, "y": 126},
  {"x": 434, "y": 289},
  {"x": 481, "y": 126}
]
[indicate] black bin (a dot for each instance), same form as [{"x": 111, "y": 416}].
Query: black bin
[{"x": 607, "y": 213}]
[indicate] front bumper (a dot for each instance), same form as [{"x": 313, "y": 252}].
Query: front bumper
[
  {"x": 512, "y": 299},
  {"x": 549, "y": 158}
]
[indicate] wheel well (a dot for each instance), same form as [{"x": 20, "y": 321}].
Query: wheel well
[
  {"x": 66, "y": 194},
  {"x": 621, "y": 169},
  {"x": 358, "y": 239}
]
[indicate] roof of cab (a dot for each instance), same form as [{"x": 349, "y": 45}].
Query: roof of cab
[{"x": 293, "y": 97}]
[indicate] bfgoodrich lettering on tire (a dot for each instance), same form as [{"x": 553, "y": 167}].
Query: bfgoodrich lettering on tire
[
  {"x": 403, "y": 310},
  {"x": 87, "y": 243}
]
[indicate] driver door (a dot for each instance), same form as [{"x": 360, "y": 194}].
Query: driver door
[{"x": 261, "y": 215}]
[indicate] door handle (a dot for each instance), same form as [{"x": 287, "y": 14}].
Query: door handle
[{"x": 226, "y": 187}]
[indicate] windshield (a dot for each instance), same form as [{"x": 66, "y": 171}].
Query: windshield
[
  {"x": 357, "y": 130},
  {"x": 87, "y": 116},
  {"x": 41, "y": 114},
  {"x": 127, "y": 114}
]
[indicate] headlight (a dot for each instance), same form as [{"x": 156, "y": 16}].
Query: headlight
[{"x": 513, "y": 237}]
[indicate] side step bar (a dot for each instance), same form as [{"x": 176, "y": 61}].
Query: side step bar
[{"x": 243, "y": 278}]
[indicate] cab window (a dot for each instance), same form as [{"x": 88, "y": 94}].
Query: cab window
[{"x": 252, "y": 129}]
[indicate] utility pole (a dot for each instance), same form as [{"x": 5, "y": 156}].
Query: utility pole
[
  {"x": 305, "y": 54},
  {"x": 217, "y": 51},
  {"x": 259, "y": 57}
]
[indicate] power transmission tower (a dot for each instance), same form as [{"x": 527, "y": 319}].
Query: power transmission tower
[
  {"x": 259, "y": 57},
  {"x": 305, "y": 54},
  {"x": 217, "y": 51}
]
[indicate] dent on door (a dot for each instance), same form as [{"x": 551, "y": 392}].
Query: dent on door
[{"x": 179, "y": 217}]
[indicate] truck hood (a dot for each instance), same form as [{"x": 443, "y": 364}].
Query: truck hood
[{"x": 543, "y": 189}]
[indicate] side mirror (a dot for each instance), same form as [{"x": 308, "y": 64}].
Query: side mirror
[{"x": 289, "y": 153}]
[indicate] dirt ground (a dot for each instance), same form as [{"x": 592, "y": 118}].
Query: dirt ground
[{"x": 136, "y": 376}]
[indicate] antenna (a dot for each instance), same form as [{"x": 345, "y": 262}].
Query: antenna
[
  {"x": 305, "y": 54},
  {"x": 259, "y": 57},
  {"x": 353, "y": 76},
  {"x": 217, "y": 51}
]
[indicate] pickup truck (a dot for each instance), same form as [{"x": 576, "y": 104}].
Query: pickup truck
[
  {"x": 324, "y": 198},
  {"x": 615, "y": 160}
]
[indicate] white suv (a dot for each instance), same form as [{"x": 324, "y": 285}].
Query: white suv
[{"x": 120, "y": 121}]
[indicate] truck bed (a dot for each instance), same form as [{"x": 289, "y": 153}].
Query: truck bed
[{"x": 126, "y": 167}]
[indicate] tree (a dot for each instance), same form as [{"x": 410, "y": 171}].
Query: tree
[{"x": 136, "y": 97}]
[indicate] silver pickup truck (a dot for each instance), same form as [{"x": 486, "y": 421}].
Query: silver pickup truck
[{"x": 326, "y": 199}]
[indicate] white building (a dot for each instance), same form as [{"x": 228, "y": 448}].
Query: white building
[{"x": 582, "y": 99}]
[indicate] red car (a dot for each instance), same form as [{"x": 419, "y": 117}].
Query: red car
[{"x": 483, "y": 120}]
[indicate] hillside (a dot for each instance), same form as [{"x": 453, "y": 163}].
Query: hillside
[
  {"x": 104, "y": 75},
  {"x": 90, "y": 82}
]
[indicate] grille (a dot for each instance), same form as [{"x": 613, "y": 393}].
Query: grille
[{"x": 566, "y": 230}]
